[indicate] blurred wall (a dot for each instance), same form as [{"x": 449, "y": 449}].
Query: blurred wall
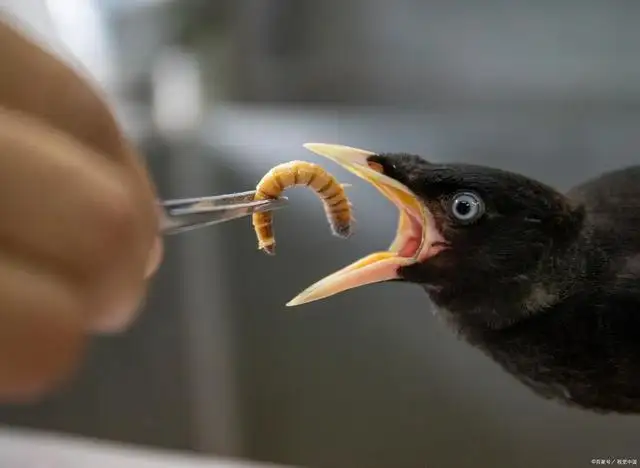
[{"x": 438, "y": 52}]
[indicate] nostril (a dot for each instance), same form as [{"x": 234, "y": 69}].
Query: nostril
[{"x": 376, "y": 166}]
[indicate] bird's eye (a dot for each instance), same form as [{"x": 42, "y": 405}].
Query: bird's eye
[{"x": 466, "y": 207}]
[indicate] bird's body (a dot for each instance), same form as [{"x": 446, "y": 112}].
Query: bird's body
[{"x": 546, "y": 284}]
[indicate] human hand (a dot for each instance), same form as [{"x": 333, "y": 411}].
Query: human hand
[{"x": 78, "y": 221}]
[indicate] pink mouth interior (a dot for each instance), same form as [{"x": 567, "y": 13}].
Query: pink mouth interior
[
  {"x": 412, "y": 244},
  {"x": 410, "y": 248}
]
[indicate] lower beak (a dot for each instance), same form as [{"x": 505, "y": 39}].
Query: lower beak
[{"x": 412, "y": 241}]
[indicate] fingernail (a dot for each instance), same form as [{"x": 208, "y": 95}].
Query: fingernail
[
  {"x": 155, "y": 258},
  {"x": 117, "y": 317}
]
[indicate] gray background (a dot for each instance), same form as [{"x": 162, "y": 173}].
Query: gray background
[{"x": 369, "y": 378}]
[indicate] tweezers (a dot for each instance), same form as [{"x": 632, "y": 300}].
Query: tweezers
[{"x": 186, "y": 214}]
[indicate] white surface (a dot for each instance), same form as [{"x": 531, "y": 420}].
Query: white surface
[
  {"x": 34, "y": 19},
  {"x": 26, "y": 449}
]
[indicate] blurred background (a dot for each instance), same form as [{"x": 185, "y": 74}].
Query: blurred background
[{"x": 217, "y": 92}]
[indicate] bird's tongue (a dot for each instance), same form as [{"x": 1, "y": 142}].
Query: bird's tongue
[{"x": 374, "y": 268}]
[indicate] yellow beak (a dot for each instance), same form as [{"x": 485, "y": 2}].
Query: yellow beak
[{"x": 412, "y": 236}]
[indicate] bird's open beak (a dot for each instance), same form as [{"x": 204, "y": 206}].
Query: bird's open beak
[{"x": 414, "y": 238}]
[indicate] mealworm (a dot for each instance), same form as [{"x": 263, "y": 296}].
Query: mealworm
[{"x": 293, "y": 173}]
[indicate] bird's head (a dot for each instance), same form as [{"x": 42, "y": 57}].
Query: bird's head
[{"x": 465, "y": 232}]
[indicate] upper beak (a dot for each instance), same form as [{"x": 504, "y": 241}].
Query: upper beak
[{"x": 411, "y": 242}]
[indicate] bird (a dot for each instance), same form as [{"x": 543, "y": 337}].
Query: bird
[{"x": 543, "y": 282}]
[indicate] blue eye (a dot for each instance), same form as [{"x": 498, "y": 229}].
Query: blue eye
[{"x": 466, "y": 207}]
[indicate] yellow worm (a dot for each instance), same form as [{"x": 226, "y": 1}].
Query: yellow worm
[{"x": 293, "y": 173}]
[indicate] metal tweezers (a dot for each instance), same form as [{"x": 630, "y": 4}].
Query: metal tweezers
[{"x": 186, "y": 214}]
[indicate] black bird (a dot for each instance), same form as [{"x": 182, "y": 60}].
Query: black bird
[{"x": 547, "y": 284}]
